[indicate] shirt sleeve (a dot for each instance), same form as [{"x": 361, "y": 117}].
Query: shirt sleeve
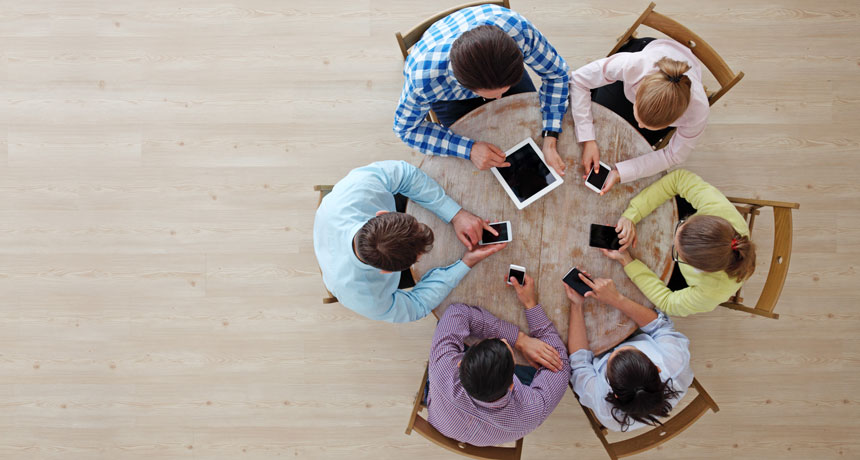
[
  {"x": 674, "y": 346},
  {"x": 591, "y": 387},
  {"x": 595, "y": 74},
  {"x": 412, "y": 127},
  {"x": 404, "y": 178},
  {"x": 427, "y": 294},
  {"x": 547, "y": 385},
  {"x": 461, "y": 321},
  {"x": 677, "y": 152},
  {"x": 540, "y": 55},
  {"x": 687, "y": 301}
]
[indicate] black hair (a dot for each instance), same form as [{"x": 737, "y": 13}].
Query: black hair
[
  {"x": 638, "y": 394},
  {"x": 486, "y": 58},
  {"x": 487, "y": 370}
]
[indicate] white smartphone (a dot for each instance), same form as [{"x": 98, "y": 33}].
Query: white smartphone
[
  {"x": 504, "y": 230},
  {"x": 596, "y": 181},
  {"x": 517, "y": 272}
]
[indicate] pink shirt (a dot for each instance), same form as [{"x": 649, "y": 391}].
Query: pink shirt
[{"x": 631, "y": 68}]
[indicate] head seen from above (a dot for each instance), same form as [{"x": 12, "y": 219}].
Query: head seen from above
[
  {"x": 663, "y": 96},
  {"x": 711, "y": 244},
  {"x": 638, "y": 394},
  {"x": 487, "y": 370},
  {"x": 487, "y": 61},
  {"x": 392, "y": 241}
]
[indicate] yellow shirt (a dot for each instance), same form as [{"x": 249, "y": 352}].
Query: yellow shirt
[{"x": 706, "y": 290}]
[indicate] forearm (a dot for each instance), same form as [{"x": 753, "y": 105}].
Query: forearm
[
  {"x": 577, "y": 339},
  {"x": 640, "y": 314}
]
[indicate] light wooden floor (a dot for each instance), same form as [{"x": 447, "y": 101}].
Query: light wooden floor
[{"x": 160, "y": 297}]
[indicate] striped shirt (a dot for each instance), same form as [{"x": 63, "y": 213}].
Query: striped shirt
[
  {"x": 455, "y": 414},
  {"x": 430, "y": 78}
]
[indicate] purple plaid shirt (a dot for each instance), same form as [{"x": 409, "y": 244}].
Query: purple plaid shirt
[{"x": 520, "y": 411}]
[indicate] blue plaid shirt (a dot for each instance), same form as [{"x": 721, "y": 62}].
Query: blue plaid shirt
[{"x": 430, "y": 78}]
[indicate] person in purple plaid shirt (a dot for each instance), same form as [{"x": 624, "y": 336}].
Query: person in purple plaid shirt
[
  {"x": 465, "y": 59},
  {"x": 474, "y": 396}
]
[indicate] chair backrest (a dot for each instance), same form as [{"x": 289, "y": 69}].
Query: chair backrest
[
  {"x": 659, "y": 434},
  {"x": 700, "y": 48},
  {"x": 423, "y": 427},
  {"x": 780, "y": 257},
  {"x": 406, "y": 41},
  {"x": 411, "y": 38},
  {"x": 324, "y": 190}
]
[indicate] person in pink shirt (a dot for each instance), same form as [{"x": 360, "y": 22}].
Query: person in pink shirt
[{"x": 655, "y": 84}]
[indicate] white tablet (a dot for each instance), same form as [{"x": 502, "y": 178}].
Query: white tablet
[{"x": 528, "y": 177}]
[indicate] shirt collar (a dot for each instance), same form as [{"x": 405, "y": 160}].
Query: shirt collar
[
  {"x": 352, "y": 257},
  {"x": 501, "y": 402},
  {"x": 453, "y": 79}
]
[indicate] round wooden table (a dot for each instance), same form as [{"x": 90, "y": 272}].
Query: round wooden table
[{"x": 551, "y": 235}]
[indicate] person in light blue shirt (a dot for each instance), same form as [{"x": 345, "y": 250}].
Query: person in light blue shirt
[
  {"x": 640, "y": 380},
  {"x": 362, "y": 243}
]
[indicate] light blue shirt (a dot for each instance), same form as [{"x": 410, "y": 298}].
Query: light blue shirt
[
  {"x": 667, "y": 348},
  {"x": 354, "y": 201}
]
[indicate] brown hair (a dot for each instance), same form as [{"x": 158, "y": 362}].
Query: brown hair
[
  {"x": 393, "y": 241},
  {"x": 486, "y": 58},
  {"x": 710, "y": 243},
  {"x": 663, "y": 96}
]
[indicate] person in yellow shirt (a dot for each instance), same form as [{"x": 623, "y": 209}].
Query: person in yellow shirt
[{"x": 711, "y": 248}]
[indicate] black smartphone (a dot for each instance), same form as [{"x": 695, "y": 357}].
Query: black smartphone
[
  {"x": 604, "y": 236},
  {"x": 572, "y": 280},
  {"x": 504, "y": 229}
]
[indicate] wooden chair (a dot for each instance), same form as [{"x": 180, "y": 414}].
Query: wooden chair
[
  {"x": 659, "y": 434},
  {"x": 779, "y": 261},
  {"x": 700, "y": 48},
  {"x": 324, "y": 190},
  {"x": 423, "y": 427},
  {"x": 411, "y": 38}
]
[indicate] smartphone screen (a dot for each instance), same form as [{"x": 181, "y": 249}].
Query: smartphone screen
[
  {"x": 598, "y": 179},
  {"x": 572, "y": 280},
  {"x": 603, "y": 236},
  {"x": 489, "y": 238},
  {"x": 518, "y": 274}
]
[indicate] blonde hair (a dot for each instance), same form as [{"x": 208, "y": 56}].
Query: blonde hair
[
  {"x": 663, "y": 96},
  {"x": 711, "y": 244}
]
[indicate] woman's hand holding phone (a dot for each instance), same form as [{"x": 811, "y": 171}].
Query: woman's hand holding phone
[
  {"x": 626, "y": 230},
  {"x": 590, "y": 157}
]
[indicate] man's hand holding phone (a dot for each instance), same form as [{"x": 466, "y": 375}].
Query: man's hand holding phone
[{"x": 525, "y": 292}]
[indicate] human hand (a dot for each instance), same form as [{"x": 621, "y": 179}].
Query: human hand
[
  {"x": 551, "y": 155},
  {"x": 590, "y": 157},
  {"x": 576, "y": 299},
  {"x": 602, "y": 289},
  {"x": 469, "y": 228},
  {"x": 485, "y": 156},
  {"x": 623, "y": 258},
  {"x": 626, "y": 230},
  {"x": 526, "y": 293},
  {"x": 538, "y": 353},
  {"x": 612, "y": 179},
  {"x": 479, "y": 253}
]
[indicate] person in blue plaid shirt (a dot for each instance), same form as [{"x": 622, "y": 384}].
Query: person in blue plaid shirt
[{"x": 467, "y": 58}]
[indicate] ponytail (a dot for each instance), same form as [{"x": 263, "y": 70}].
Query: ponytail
[
  {"x": 663, "y": 96},
  {"x": 711, "y": 244},
  {"x": 638, "y": 394}
]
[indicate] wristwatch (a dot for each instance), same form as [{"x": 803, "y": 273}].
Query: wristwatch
[{"x": 548, "y": 133}]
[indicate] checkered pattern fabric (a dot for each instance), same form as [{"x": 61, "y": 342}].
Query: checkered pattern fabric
[{"x": 430, "y": 78}]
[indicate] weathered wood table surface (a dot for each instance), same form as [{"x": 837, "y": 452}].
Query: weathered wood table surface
[{"x": 550, "y": 235}]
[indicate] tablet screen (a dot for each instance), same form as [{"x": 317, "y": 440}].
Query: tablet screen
[{"x": 527, "y": 175}]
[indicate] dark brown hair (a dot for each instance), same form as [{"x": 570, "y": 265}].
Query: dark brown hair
[
  {"x": 486, "y": 58},
  {"x": 638, "y": 394},
  {"x": 663, "y": 96},
  {"x": 710, "y": 243},
  {"x": 393, "y": 241}
]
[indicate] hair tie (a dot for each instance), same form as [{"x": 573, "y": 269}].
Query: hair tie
[
  {"x": 675, "y": 79},
  {"x": 734, "y": 244}
]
